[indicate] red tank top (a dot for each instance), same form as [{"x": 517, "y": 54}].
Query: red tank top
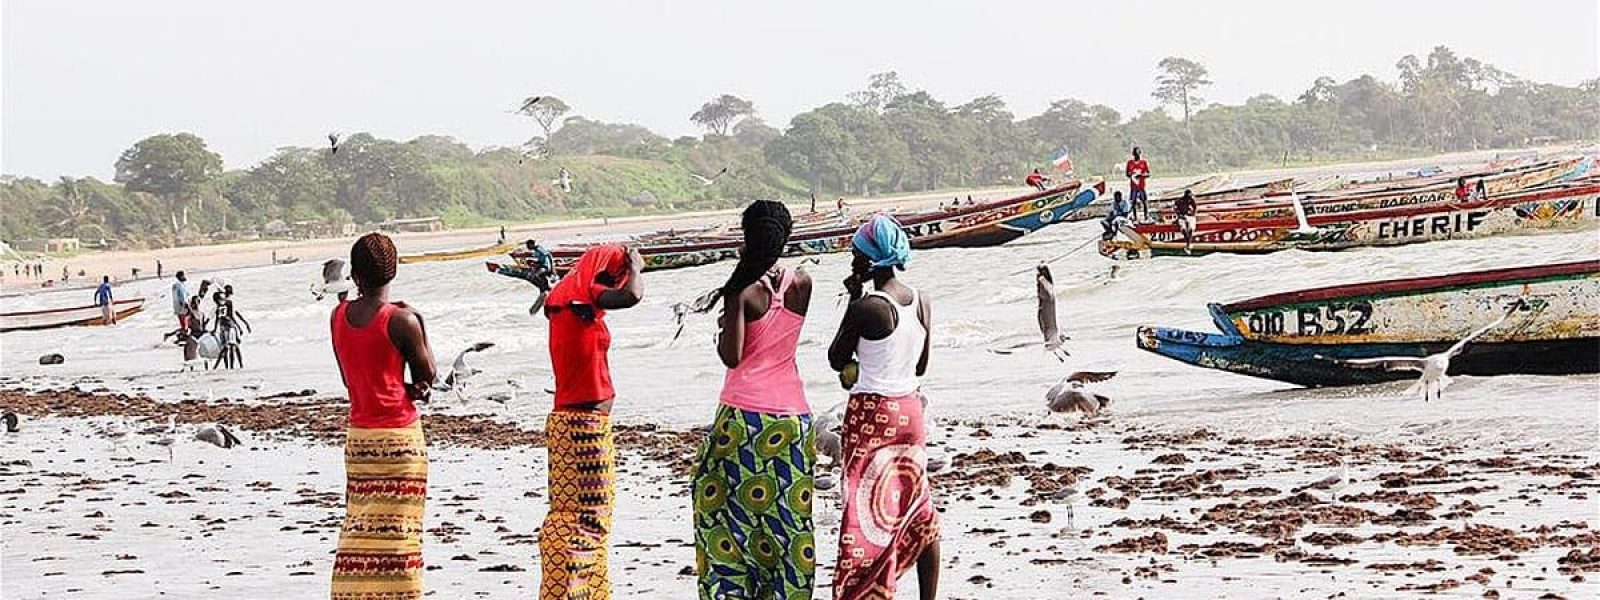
[
  {"x": 578, "y": 351},
  {"x": 373, "y": 370}
]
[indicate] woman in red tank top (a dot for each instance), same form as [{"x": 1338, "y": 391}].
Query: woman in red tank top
[
  {"x": 385, "y": 455},
  {"x": 572, "y": 542}
]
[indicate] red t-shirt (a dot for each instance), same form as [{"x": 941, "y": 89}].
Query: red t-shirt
[
  {"x": 1034, "y": 179},
  {"x": 578, "y": 352},
  {"x": 373, "y": 371},
  {"x": 1137, "y": 171},
  {"x": 1463, "y": 193}
]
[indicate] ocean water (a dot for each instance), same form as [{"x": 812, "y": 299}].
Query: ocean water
[{"x": 982, "y": 299}]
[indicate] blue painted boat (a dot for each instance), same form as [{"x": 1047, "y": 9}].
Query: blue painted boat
[{"x": 1556, "y": 330}]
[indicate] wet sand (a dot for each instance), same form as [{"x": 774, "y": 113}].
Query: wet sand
[{"x": 1158, "y": 513}]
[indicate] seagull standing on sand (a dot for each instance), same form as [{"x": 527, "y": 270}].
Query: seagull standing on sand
[
  {"x": 1069, "y": 495},
  {"x": 167, "y": 439},
  {"x": 461, "y": 371},
  {"x": 1053, "y": 338},
  {"x": 826, "y": 425},
  {"x": 1434, "y": 367},
  {"x": 10, "y": 419},
  {"x": 1069, "y": 394},
  {"x": 117, "y": 434},
  {"x": 1333, "y": 483},
  {"x": 217, "y": 435},
  {"x": 334, "y": 280}
]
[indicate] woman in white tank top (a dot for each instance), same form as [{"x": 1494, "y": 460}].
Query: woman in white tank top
[{"x": 889, "y": 521}]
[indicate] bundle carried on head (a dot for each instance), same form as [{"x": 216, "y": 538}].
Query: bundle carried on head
[
  {"x": 373, "y": 260},
  {"x": 766, "y": 225}
]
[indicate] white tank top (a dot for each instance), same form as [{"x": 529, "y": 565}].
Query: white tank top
[{"x": 889, "y": 365}]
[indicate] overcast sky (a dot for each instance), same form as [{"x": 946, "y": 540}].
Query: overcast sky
[{"x": 84, "y": 80}]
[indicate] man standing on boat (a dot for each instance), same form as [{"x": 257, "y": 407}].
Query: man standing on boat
[
  {"x": 1037, "y": 180},
  {"x": 1185, "y": 211},
  {"x": 1137, "y": 171},
  {"x": 102, "y": 298}
]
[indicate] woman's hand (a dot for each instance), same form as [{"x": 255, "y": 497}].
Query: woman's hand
[{"x": 853, "y": 286}]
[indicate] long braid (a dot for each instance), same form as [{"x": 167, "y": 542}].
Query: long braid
[
  {"x": 766, "y": 225},
  {"x": 373, "y": 260}
]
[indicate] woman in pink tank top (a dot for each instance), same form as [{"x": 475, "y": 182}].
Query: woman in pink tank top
[{"x": 752, "y": 481}]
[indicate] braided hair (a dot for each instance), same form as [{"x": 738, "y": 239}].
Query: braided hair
[
  {"x": 766, "y": 225},
  {"x": 373, "y": 260}
]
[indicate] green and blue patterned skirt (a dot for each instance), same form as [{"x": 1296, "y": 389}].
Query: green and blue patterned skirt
[{"x": 752, "y": 507}]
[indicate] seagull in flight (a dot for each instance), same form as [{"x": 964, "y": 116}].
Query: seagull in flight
[
  {"x": 1434, "y": 367},
  {"x": 1053, "y": 338},
  {"x": 1070, "y": 395},
  {"x": 333, "y": 143},
  {"x": 334, "y": 280},
  {"x": 707, "y": 181},
  {"x": 1303, "y": 226},
  {"x": 461, "y": 371}
]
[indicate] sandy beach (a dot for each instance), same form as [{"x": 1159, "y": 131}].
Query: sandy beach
[{"x": 1195, "y": 484}]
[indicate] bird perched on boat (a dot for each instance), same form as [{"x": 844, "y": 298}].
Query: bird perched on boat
[
  {"x": 167, "y": 438},
  {"x": 1053, "y": 338},
  {"x": 335, "y": 280},
  {"x": 217, "y": 435},
  {"x": 461, "y": 371},
  {"x": 10, "y": 419},
  {"x": 1070, "y": 395},
  {"x": 708, "y": 181},
  {"x": 1434, "y": 367}
]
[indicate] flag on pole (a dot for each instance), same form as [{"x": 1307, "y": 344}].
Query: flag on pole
[{"x": 1063, "y": 161}]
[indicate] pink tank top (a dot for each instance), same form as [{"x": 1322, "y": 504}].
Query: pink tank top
[{"x": 767, "y": 380}]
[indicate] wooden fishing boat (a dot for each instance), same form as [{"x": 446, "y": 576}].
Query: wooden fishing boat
[
  {"x": 1278, "y": 200},
  {"x": 1296, "y": 336},
  {"x": 1552, "y": 208},
  {"x": 985, "y": 224},
  {"x": 444, "y": 255},
  {"x": 67, "y": 317}
]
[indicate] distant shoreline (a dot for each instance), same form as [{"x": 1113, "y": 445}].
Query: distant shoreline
[{"x": 217, "y": 257}]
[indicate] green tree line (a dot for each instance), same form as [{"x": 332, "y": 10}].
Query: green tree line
[{"x": 886, "y": 138}]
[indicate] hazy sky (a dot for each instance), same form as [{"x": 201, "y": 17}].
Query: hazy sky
[{"x": 84, "y": 80}]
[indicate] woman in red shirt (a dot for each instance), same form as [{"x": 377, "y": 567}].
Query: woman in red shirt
[
  {"x": 385, "y": 455},
  {"x": 572, "y": 542}
]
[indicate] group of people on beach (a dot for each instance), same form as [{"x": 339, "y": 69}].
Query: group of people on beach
[
  {"x": 753, "y": 480},
  {"x": 217, "y": 338}
]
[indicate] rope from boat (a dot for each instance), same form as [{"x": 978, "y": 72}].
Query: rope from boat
[{"x": 1074, "y": 250}]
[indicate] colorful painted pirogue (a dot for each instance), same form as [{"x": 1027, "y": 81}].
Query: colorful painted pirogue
[
  {"x": 1566, "y": 206},
  {"x": 987, "y": 224},
  {"x": 1294, "y": 336},
  {"x": 1273, "y": 199}
]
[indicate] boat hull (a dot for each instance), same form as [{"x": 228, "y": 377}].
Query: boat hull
[
  {"x": 446, "y": 255},
  {"x": 1312, "y": 365},
  {"x": 1564, "y": 207},
  {"x": 67, "y": 317},
  {"x": 1559, "y": 302},
  {"x": 989, "y": 224}
]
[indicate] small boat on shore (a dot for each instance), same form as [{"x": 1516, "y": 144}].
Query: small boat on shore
[
  {"x": 980, "y": 225},
  {"x": 443, "y": 255},
  {"x": 1297, "y": 336},
  {"x": 1568, "y": 206},
  {"x": 67, "y": 317}
]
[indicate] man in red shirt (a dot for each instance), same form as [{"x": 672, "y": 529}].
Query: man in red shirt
[
  {"x": 1037, "y": 180},
  {"x": 1463, "y": 193},
  {"x": 1137, "y": 171}
]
